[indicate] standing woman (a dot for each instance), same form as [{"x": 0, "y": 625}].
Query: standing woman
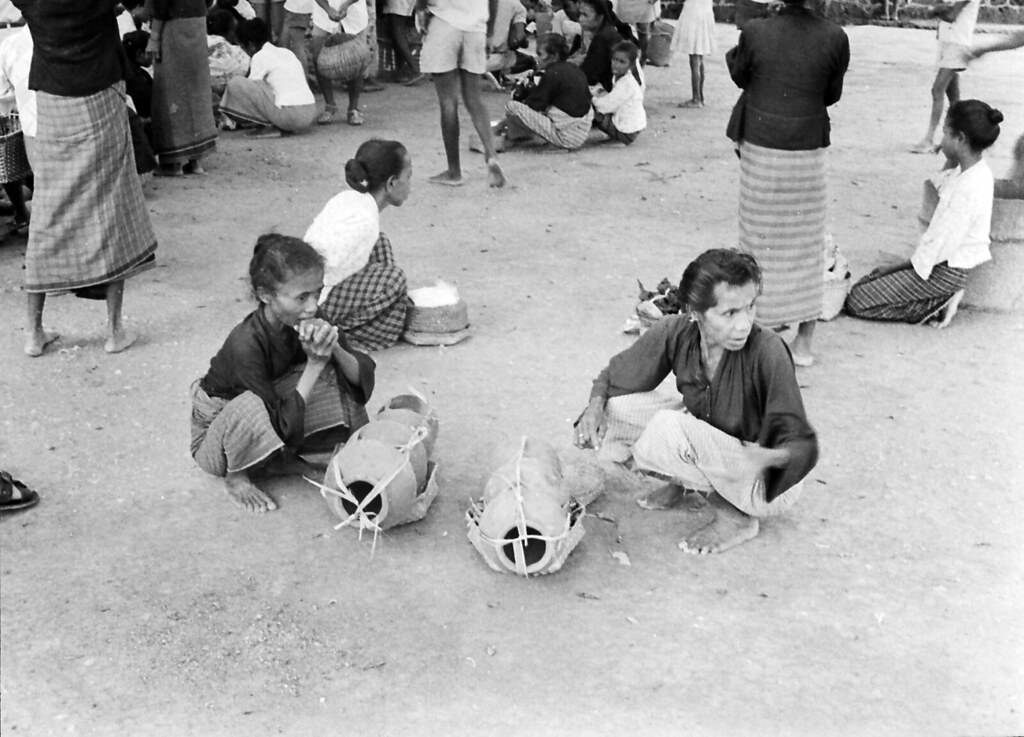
[
  {"x": 90, "y": 228},
  {"x": 183, "y": 126},
  {"x": 606, "y": 30},
  {"x": 790, "y": 67}
]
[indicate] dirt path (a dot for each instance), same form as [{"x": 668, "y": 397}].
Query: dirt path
[{"x": 137, "y": 601}]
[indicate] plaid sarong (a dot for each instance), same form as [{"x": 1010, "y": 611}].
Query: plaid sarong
[
  {"x": 369, "y": 306},
  {"x": 183, "y": 125},
  {"x": 90, "y": 224},
  {"x": 782, "y": 223},
  {"x": 903, "y": 296},
  {"x": 554, "y": 126},
  {"x": 230, "y": 435},
  {"x": 252, "y": 102}
]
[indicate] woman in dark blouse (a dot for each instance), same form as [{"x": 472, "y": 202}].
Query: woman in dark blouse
[
  {"x": 598, "y": 19},
  {"x": 738, "y": 433}
]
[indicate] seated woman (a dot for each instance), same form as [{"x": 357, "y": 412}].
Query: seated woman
[
  {"x": 557, "y": 108},
  {"x": 931, "y": 284},
  {"x": 606, "y": 30},
  {"x": 284, "y": 382},
  {"x": 275, "y": 95},
  {"x": 226, "y": 59},
  {"x": 738, "y": 433},
  {"x": 620, "y": 114},
  {"x": 365, "y": 292}
]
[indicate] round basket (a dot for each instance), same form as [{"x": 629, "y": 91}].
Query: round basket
[
  {"x": 14, "y": 164},
  {"x": 440, "y": 319},
  {"x": 345, "y": 61}
]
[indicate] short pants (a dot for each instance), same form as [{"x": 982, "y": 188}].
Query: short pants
[
  {"x": 446, "y": 49},
  {"x": 953, "y": 56}
]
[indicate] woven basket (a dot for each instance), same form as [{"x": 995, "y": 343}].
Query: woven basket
[
  {"x": 659, "y": 45},
  {"x": 14, "y": 164},
  {"x": 344, "y": 61},
  {"x": 833, "y": 297}
]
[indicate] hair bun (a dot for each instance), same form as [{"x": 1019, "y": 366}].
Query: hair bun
[
  {"x": 995, "y": 117},
  {"x": 356, "y": 175}
]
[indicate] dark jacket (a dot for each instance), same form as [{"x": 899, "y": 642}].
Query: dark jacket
[
  {"x": 790, "y": 68},
  {"x": 597, "y": 64}
]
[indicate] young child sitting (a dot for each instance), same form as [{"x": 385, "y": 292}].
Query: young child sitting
[
  {"x": 284, "y": 381},
  {"x": 957, "y": 238},
  {"x": 275, "y": 96},
  {"x": 557, "y": 108},
  {"x": 226, "y": 59},
  {"x": 620, "y": 113}
]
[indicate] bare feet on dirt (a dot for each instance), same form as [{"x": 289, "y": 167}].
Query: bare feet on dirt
[
  {"x": 495, "y": 176},
  {"x": 672, "y": 496},
  {"x": 447, "y": 179},
  {"x": 729, "y": 528},
  {"x": 37, "y": 341},
  {"x": 247, "y": 495},
  {"x": 119, "y": 340},
  {"x": 950, "y": 310}
]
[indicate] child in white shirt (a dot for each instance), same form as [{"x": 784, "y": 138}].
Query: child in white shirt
[{"x": 620, "y": 113}]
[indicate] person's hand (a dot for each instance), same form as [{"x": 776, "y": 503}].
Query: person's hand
[
  {"x": 318, "y": 338},
  {"x": 336, "y": 15},
  {"x": 592, "y": 426},
  {"x": 153, "y": 47},
  {"x": 755, "y": 459}
]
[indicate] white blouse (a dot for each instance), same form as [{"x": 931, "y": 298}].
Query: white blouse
[{"x": 344, "y": 233}]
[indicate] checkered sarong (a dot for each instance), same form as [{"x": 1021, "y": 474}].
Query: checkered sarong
[
  {"x": 903, "y": 296},
  {"x": 554, "y": 126},
  {"x": 369, "y": 306},
  {"x": 90, "y": 224},
  {"x": 230, "y": 435}
]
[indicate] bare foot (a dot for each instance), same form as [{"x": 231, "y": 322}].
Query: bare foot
[
  {"x": 171, "y": 170},
  {"x": 691, "y": 103},
  {"x": 672, "y": 496},
  {"x": 120, "y": 340},
  {"x": 247, "y": 495},
  {"x": 495, "y": 176},
  {"x": 729, "y": 528},
  {"x": 36, "y": 343},
  {"x": 802, "y": 360},
  {"x": 924, "y": 147},
  {"x": 950, "y": 310},
  {"x": 447, "y": 178},
  {"x": 266, "y": 131},
  {"x": 193, "y": 167}
]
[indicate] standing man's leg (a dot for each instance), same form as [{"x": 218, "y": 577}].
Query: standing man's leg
[
  {"x": 37, "y": 339},
  {"x": 447, "y": 85},
  {"x": 943, "y": 79},
  {"x": 118, "y": 339},
  {"x": 478, "y": 113}
]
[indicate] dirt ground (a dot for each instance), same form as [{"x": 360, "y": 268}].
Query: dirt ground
[{"x": 137, "y": 601}]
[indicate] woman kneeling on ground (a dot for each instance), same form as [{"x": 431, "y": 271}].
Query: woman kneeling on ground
[
  {"x": 557, "y": 109},
  {"x": 931, "y": 284},
  {"x": 738, "y": 434},
  {"x": 275, "y": 96},
  {"x": 284, "y": 383},
  {"x": 365, "y": 292}
]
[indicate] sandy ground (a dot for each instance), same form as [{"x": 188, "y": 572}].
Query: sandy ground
[{"x": 137, "y": 601}]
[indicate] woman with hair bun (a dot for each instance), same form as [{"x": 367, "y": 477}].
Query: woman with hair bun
[
  {"x": 738, "y": 433},
  {"x": 365, "y": 293},
  {"x": 931, "y": 284}
]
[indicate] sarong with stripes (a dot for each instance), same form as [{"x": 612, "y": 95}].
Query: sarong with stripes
[
  {"x": 230, "y": 435},
  {"x": 554, "y": 126},
  {"x": 90, "y": 224},
  {"x": 903, "y": 296},
  {"x": 782, "y": 223},
  {"x": 252, "y": 102}
]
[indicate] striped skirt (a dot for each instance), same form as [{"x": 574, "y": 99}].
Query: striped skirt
[
  {"x": 369, "y": 306},
  {"x": 251, "y": 102},
  {"x": 236, "y": 434},
  {"x": 903, "y": 296},
  {"x": 782, "y": 223},
  {"x": 183, "y": 125},
  {"x": 90, "y": 224},
  {"x": 554, "y": 126}
]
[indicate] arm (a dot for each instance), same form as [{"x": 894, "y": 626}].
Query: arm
[
  {"x": 541, "y": 97},
  {"x": 355, "y": 368},
  {"x": 948, "y": 228},
  {"x": 597, "y": 61},
  {"x": 948, "y": 11},
  {"x": 492, "y": 13},
  {"x": 737, "y": 59},
  {"x": 622, "y": 90},
  {"x": 332, "y": 14},
  {"x": 834, "y": 89}
]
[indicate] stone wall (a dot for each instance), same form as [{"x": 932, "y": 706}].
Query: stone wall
[{"x": 899, "y": 12}]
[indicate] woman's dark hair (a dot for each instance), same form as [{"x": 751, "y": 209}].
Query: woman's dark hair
[
  {"x": 219, "y": 22},
  {"x": 711, "y": 268},
  {"x": 375, "y": 162},
  {"x": 555, "y": 45},
  {"x": 977, "y": 120},
  {"x": 135, "y": 43},
  {"x": 632, "y": 52},
  {"x": 603, "y": 8},
  {"x": 276, "y": 258},
  {"x": 253, "y": 33}
]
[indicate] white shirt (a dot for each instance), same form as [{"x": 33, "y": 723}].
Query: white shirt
[
  {"x": 626, "y": 104},
  {"x": 283, "y": 71},
  {"x": 344, "y": 233},
  {"x": 469, "y": 16},
  {"x": 244, "y": 8},
  {"x": 15, "y": 62},
  {"x": 302, "y": 7},
  {"x": 959, "y": 230},
  {"x": 509, "y": 12},
  {"x": 9, "y": 13},
  {"x": 356, "y": 19},
  {"x": 960, "y": 30},
  {"x": 562, "y": 25},
  {"x": 125, "y": 23}
]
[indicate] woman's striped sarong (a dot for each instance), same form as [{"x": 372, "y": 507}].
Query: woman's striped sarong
[
  {"x": 251, "y": 102},
  {"x": 903, "y": 296},
  {"x": 90, "y": 224},
  {"x": 782, "y": 223},
  {"x": 230, "y": 435},
  {"x": 183, "y": 125},
  {"x": 554, "y": 126},
  {"x": 369, "y": 306}
]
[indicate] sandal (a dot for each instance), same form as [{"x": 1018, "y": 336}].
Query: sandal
[
  {"x": 327, "y": 116},
  {"x": 14, "y": 495},
  {"x": 355, "y": 117}
]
